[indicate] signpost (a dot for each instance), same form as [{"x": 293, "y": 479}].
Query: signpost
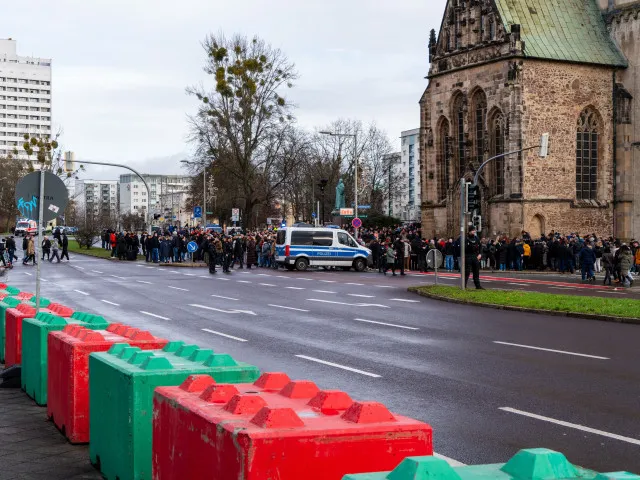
[
  {"x": 197, "y": 212},
  {"x": 434, "y": 259},
  {"x": 235, "y": 214},
  {"x": 48, "y": 194},
  {"x": 356, "y": 223},
  {"x": 192, "y": 247},
  {"x": 346, "y": 212}
]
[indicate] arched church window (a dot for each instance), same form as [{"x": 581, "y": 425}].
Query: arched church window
[
  {"x": 458, "y": 124},
  {"x": 499, "y": 133},
  {"x": 587, "y": 152},
  {"x": 480, "y": 120},
  {"x": 443, "y": 159}
]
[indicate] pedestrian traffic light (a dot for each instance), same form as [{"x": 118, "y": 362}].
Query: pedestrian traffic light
[
  {"x": 473, "y": 199},
  {"x": 477, "y": 222}
]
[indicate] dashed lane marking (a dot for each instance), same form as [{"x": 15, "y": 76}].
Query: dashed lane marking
[
  {"x": 81, "y": 292},
  {"x": 97, "y": 271},
  {"x": 405, "y": 300},
  {"x": 386, "y": 324},
  {"x": 360, "y": 296},
  {"x": 267, "y": 284},
  {"x": 324, "y": 291},
  {"x": 296, "y": 288},
  {"x": 337, "y": 365},
  {"x": 225, "y": 298},
  {"x": 178, "y": 288},
  {"x": 116, "y": 276},
  {"x": 154, "y": 315},
  {"x": 288, "y": 308},
  {"x": 29, "y": 274},
  {"x": 142, "y": 281},
  {"x": 356, "y": 284},
  {"x": 111, "y": 303},
  {"x": 243, "y": 281},
  {"x": 225, "y": 335}
]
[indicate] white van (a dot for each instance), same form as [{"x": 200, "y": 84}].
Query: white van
[{"x": 301, "y": 247}]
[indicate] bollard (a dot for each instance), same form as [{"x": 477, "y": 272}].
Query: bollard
[
  {"x": 35, "y": 350},
  {"x": 121, "y": 385},
  {"x": 5, "y": 304},
  {"x": 275, "y": 428},
  {"x": 68, "y": 371},
  {"x": 528, "y": 464}
]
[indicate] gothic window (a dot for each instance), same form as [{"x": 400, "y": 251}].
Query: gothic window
[
  {"x": 481, "y": 26},
  {"x": 499, "y": 132},
  {"x": 623, "y": 105},
  {"x": 587, "y": 155},
  {"x": 480, "y": 120},
  {"x": 459, "y": 140},
  {"x": 447, "y": 39},
  {"x": 492, "y": 29},
  {"x": 443, "y": 160}
]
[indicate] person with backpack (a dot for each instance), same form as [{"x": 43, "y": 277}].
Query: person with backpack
[{"x": 55, "y": 251}]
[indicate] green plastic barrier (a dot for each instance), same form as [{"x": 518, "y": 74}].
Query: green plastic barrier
[
  {"x": 35, "y": 348},
  {"x": 44, "y": 303},
  {"x": 88, "y": 317},
  {"x": 529, "y": 464},
  {"x": 12, "y": 290},
  {"x": 121, "y": 385}
]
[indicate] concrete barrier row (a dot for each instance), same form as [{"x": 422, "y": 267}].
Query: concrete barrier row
[{"x": 165, "y": 410}]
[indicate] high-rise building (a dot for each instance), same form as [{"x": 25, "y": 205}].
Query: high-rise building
[
  {"x": 134, "y": 198},
  {"x": 97, "y": 197},
  {"x": 25, "y": 98},
  {"x": 403, "y": 198}
]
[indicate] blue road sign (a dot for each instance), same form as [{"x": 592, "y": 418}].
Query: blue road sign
[
  {"x": 192, "y": 247},
  {"x": 197, "y": 212},
  {"x": 313, "y": 215}
]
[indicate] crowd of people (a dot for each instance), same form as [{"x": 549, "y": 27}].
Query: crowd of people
[
  {"x": 396, "y": 249},
  {"x": 54, "y": 248}
]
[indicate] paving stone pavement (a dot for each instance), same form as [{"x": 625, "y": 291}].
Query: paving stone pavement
[{"x": 32, "y": 448}]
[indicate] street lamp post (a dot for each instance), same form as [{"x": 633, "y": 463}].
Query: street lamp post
[
  {"x": 204, "y": 192},
  {"x": 355, "y": 158}
]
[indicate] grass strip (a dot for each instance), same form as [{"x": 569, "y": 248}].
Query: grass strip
[
  {"x": 93, "y": 251},
  {"x": 613, "y": 307}
]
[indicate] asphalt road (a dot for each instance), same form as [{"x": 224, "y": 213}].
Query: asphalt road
[{"x": 577, "y": 392}]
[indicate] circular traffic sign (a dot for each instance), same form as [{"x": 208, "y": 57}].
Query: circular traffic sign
[
  {"x": 434, "y": 258},
  {"x": 192, "y": 247},
  {"x": 28, "y": 194},
  {"x": 356, "y": 223}
]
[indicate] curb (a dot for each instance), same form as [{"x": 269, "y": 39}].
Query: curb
[
  {"x": 112, "y": 259},
  {"x": 586, "y": 316},
  {"x": 183, "y": 265}
]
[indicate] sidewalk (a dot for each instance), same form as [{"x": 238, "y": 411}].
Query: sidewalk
[{"x": 31, "y": 448}]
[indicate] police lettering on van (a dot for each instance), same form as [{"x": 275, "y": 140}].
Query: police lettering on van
[{"x": 301, "y": 247}]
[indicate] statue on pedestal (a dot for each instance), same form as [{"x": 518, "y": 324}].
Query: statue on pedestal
[{"x": 340, "y": 195}]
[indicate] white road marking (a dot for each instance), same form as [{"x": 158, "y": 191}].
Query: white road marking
[
  {"x": 111, "y": 303},
  {"x": 356, "y": 284},
  {"x": 348, "y": 304},
  {"x": 225, "y": 298},
  {"x": 450, "y": 461},
  {"x": 337, "y": 365},
  {"x": 116, "y": 276},
  {"x": 28, "y": 274},
  {"x": 602, "y": 433},
  {"x": 154, "y": 315},
  {"x": 224, "y": 335},
  {"x": 295, "y": 288},
  {"x": 282, "y": 276},
  {"x": 264, "y": 275},
  {"x": 173, "y": 271},
  {"x": 243, "y": 281},
  {"x": 404, "y": 300},
  {"x": 328, "y": 281},
  {"x": 79, "y": 268},
  {"x": 267, "y": 284},
  {"x": 609, "y": 291},
  {"x": 178, "y": 288},
  {"x": 561, "y": 288},
  {"x": 142, "y": 281},
  {"x": 387, "y": 324},
  {"x": 519, "y": 284},
  {"x": 324, "y": 291},
  {"x": 223, "y": 279},
  {"x": 288, "y": 308},
  {"x": 97, "y": 271},
  {"x": 384, "y": 286},
  {"x": 190, "y": 274},
  {"x": 249, "y": 312},
  {"x": 360, "y": 296},
  {"x": 81, "y": 292},
  {"x": 151, "y": 268},
  {"x": 552, "y": 350},
  {"x": 308, "y": 279}
]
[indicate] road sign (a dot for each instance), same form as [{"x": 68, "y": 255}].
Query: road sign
[
  {"x": 434, "y": 260},
  {"x": 359, "y": 216},
  {"x": 346, "y": 211},
  {"x": 235, "y": 214},
  {"x": 197, "y": 212},
  {"x": 192, "y": 247},
  {"x": 55, "y": 195},
  {"x": 363, "y": 207},
  {"x": 313, "y": 214},
  {"x": 356, "y": 223}
]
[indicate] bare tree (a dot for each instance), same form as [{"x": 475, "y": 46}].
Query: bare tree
[{"x": 241, "y": 124}]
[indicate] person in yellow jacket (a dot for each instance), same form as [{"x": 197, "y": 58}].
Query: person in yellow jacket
[{"x": 527, "y": 255}]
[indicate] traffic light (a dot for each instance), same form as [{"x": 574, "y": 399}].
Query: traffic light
[
  {"x": 473, "y": 199},
  {"x": 477, "y": 222}
]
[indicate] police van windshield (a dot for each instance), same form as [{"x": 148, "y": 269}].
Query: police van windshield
[{"x": 345, "y": 239}]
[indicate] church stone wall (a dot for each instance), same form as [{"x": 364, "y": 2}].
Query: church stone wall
[{"x": 554, "y": 95}]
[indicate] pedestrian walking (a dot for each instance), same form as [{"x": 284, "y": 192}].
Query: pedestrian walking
[
  {"x": 30, "y": 251},
  {"x": 46, "y": 248},
  {"x": 65, "y": 247},
  {"x": 472, "y": 258},
  {"x": 55, "y": 251},
  {"x": 390, "y": 259}
]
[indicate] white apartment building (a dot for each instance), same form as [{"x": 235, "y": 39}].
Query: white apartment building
[
  {"x": 99, "y": 197},
  {"x": 25, "y": 98},
  {"x": 404, "y": 198},
  {"x": 133, "y": 194},
  {"x": 174, "y": 206}
]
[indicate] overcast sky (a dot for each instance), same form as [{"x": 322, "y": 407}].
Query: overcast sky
[{"x": 120, "y": 67}]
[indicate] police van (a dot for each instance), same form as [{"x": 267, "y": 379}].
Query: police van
[{"x": 301, "y": 247}]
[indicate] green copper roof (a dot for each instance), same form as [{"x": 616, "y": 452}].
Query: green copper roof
[{"x": 569, "y": 30}]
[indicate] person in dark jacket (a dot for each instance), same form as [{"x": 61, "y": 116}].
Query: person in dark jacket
[
  {"x": 227, "y": 249},
  {"x": 154, "y": 246},
  {"x": 252, "y": 257},
  {"x": 607, "y": 264},
  {"x": 121, "y": 247},
  {"x": 449, "y": 254},
  {"x": 398, "y": 246},
  {"x": 503, "y": 255},
  {"x": 46, "y": 248},
  {"x": 65, "y": 247},
  {"x": 587, "y": 262}
]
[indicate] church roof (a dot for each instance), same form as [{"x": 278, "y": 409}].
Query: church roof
[{"x": 567, "y": 30}]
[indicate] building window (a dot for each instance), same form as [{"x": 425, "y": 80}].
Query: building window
[
  {"x": 480, "y": 119},
  {"x": 623, "y": 105},
  {"x": 492, "y": 29},
  {"x": 443, "y": 159},
  {"x": 587, "y": 155},
  {"x": 458, "y": 119},
  {"x": 499, "y": 132}
]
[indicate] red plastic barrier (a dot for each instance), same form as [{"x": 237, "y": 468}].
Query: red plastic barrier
[
  {"x": 275, "y": 428},
  {"x": 3, "y": 295},
  {"x": 25, "y": 296},
  {"x": 68, "y": 371},
  {"x": 13, "y": 329},
  {"x": 3, "y": 286},
  {"x": 60, "y": 310}
]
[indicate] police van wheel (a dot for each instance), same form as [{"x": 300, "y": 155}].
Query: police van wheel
[
  {"x": 359, "y": 265},
  {"x": 302, "y": 264}
]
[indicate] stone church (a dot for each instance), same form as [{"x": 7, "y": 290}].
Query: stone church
[{"x": 503, "y": 72}]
